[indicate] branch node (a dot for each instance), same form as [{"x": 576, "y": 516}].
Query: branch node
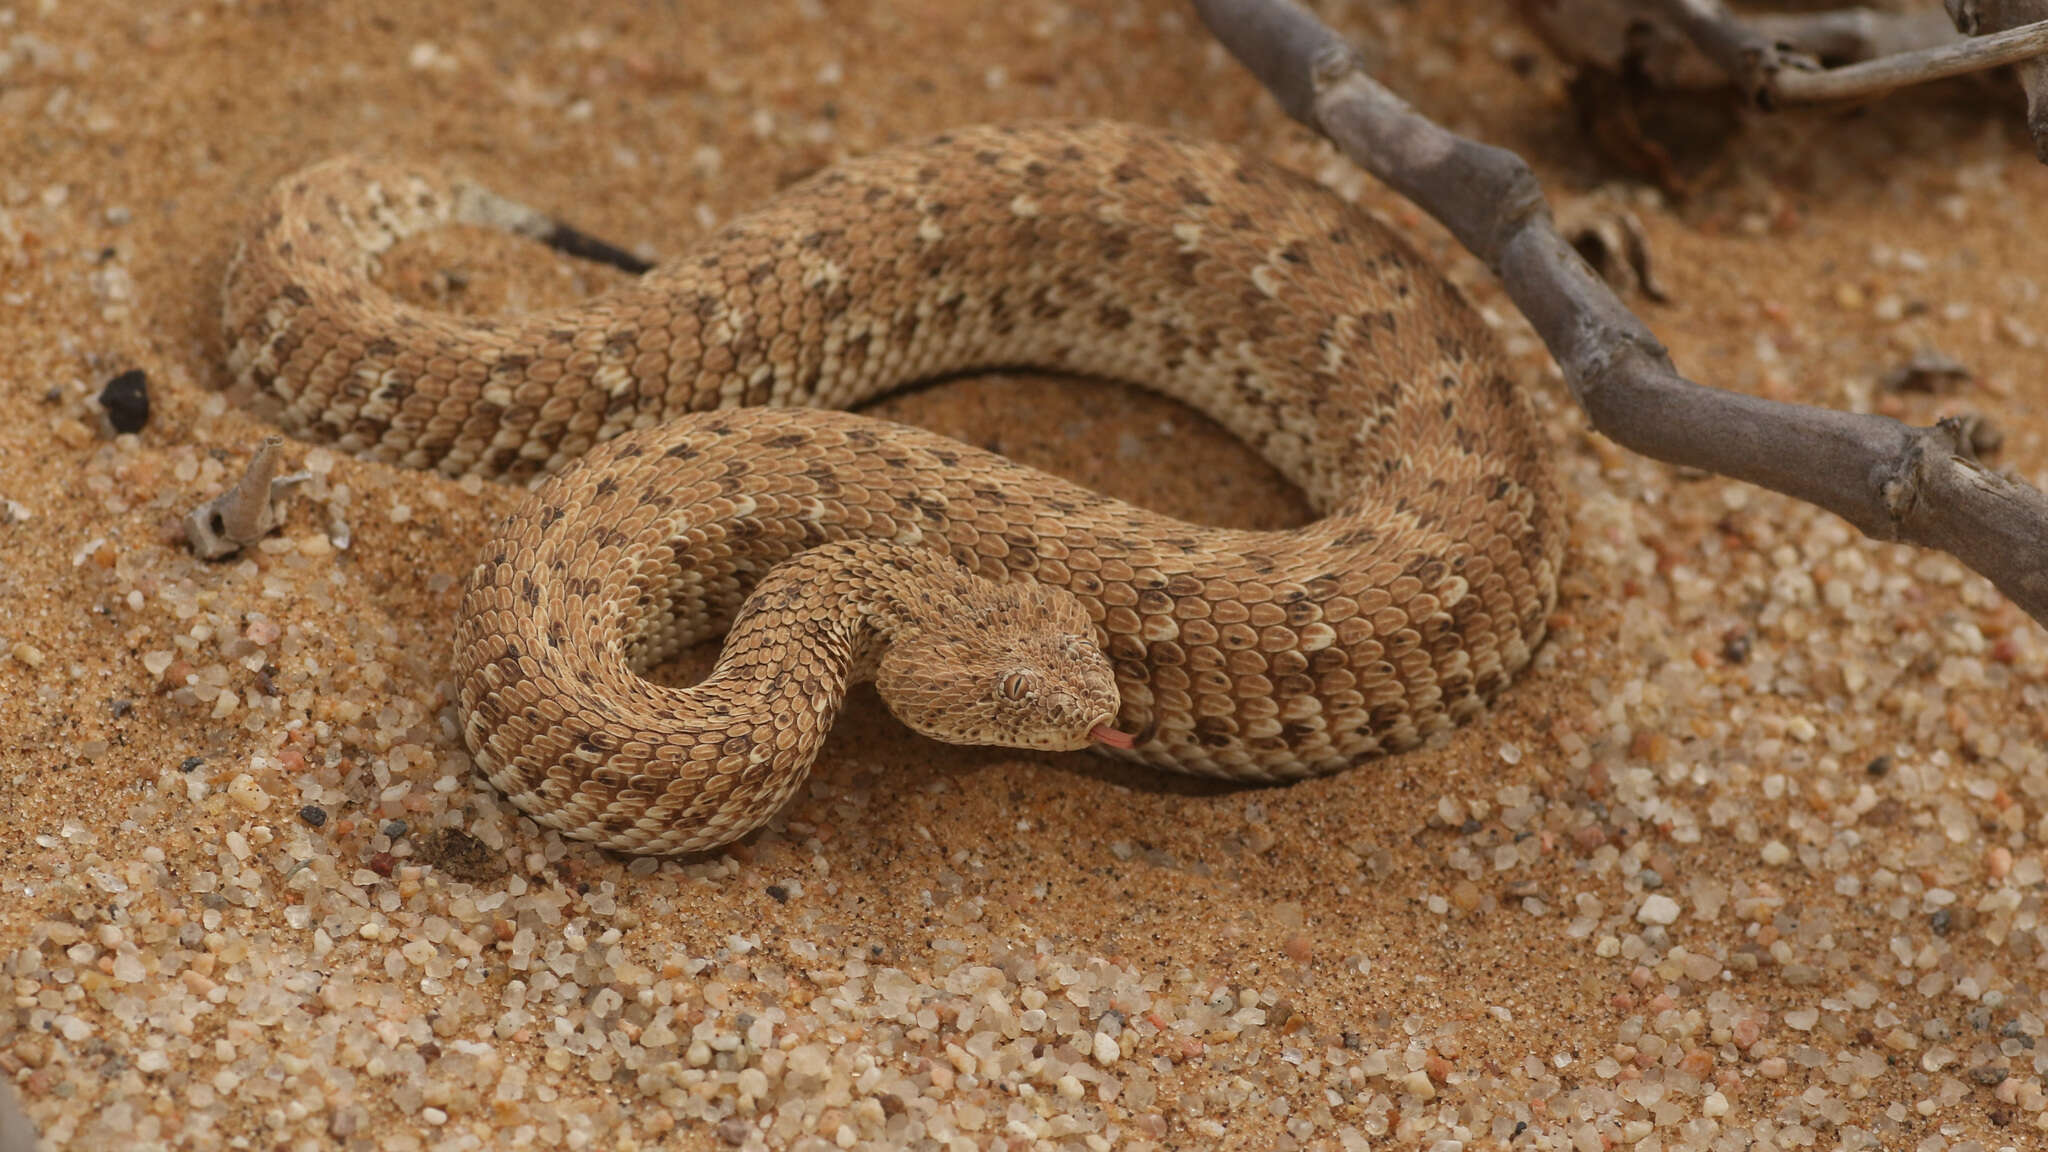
[
  {"x": 1333, "y": 64},
  {"x": 1950, "y": 442}
]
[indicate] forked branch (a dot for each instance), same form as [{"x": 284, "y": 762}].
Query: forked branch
[
  {"x": 1991, "y": 19},
  {"x": 1778, "y": 58},
  {"x": 1639, "y": 38},
  {"x": 1771, "y": 67},
  {"x": 1892, "y": 481}
]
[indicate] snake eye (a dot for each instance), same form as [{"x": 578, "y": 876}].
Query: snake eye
[{"x": 1018, "y": 685}]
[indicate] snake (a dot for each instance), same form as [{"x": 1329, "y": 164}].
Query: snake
[{"x": 692, "y": 472}]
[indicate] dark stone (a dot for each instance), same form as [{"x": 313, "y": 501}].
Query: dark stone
[
  {"x": 126, "y": 401},
  {"x": 1735, "y": 647}
]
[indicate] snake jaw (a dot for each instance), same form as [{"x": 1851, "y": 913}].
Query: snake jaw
[{"x": 1104, "y": 734}]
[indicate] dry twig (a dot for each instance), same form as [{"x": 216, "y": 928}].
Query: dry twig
[
  {"x": 1608, "y": 233},
  {"x": 1776, "y": 58},
  {"x": 1629, "y": 37},
  {"x": 245, "y": 513},
  {"x": 1893, "y": 482},
  {"x": 1987, "y": 17},
  {"x": 2020, "y": 45}
]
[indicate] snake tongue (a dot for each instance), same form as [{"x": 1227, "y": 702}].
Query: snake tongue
[{"x": 1104, "y": 734}]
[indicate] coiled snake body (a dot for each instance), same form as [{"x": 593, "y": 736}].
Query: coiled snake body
[{"x": 1303, "y": 325}]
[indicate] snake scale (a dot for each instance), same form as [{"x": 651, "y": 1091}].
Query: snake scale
[{"x": 676, "y": 419}]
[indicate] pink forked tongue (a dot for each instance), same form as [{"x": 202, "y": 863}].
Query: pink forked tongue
[{"x": 1104, "y": 734}]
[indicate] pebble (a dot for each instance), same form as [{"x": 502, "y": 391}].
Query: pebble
[
  {"x": 247, "y": 794},
  {"x": 1106, "y": 1052},
  {"x": 1466, "y": 896},
  {"x": 125, "y": 400},
  {"x": 1658, "y": 909}
]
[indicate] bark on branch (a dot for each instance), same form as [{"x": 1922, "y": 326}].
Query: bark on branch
[{"x": 1892, "y": 481}]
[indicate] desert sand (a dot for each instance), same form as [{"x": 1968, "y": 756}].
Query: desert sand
[{"x": 1753, "y": 855}]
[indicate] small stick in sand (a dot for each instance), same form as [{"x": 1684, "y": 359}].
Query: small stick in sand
[{"x": 245, "y": 513}]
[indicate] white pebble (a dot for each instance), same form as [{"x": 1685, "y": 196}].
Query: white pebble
[
  {"x": 1106, "y": 1051},
  {"x": 1658, "y": 909},
  {"x": 247, "y": 794}
]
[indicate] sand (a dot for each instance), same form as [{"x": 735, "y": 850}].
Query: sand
[{"x": 1753, "y": 856}]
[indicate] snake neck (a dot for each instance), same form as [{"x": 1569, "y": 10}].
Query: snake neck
[
  {"x": 954, "y": 655},
  {"x": 825, "y": 618}
]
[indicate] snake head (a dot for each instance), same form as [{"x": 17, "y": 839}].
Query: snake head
[{"x": 1013, "y": 665}]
